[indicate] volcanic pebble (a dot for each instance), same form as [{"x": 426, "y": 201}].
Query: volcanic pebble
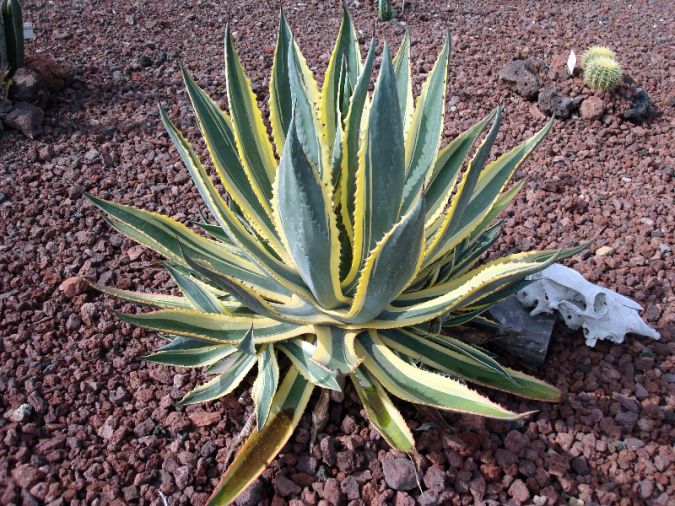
[{"x": 104, "y": 427}]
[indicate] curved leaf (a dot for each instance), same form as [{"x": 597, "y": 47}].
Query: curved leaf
[
  {"x": 401, "y": 64},
  {"x": 420, "y": 386},
  {"x": 262, "y": 446},
  {"x": 215, "y": 328},
  {"x": 335, "y": 348},
  {"x": 435, "y": 354},
  {"x": 390, "y": 267},
  {"x": 424, "y": 136},
  {"x": 382, "y": 413},
  {"x": 280, "y": 101},
  {"x": 232, "y": 370},
  {"x": 300, "y": 353}
]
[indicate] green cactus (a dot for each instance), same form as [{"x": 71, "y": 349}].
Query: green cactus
[
  {"x": 595, "y": 52},
  {"x": 385, "y": 11},
  {"x": 13, "y": 24},
  {"x": 603, "y": 74}
]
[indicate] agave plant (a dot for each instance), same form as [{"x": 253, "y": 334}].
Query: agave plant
[{"x": 341, "y": 248}]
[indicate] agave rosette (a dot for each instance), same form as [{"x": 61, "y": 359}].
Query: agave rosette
[{"x": 345, "y": 242}]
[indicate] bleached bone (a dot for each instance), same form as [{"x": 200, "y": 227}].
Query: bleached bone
[{"x": 602, "y": 313}]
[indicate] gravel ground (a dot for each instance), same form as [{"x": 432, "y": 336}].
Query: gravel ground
[{"x": 83, "y": 421}]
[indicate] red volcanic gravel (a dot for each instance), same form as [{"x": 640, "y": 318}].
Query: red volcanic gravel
[{"x": 84, "y": 421}]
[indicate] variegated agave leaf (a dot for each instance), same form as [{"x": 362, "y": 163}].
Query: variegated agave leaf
[{"x": 342, "y": 239}]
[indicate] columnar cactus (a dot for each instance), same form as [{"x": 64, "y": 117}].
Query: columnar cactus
[
  {"x": 13, "y": 24},
  {"x": 385, "y": 10}
]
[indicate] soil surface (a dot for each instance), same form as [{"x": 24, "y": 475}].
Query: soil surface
[{"x": 84, "y": 421}]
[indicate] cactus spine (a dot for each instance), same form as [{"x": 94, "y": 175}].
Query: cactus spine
[
  {"x": 13, "y": 24},
  {"x": 385, "y": 10},
  {"x": 595, "y": 52},
  {"x": 603, "y": 74}
]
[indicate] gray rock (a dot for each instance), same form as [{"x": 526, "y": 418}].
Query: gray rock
[
  {"x": 20, "y": 414},
  {"x": 525, "y": 336},
  {"x": 26, "y": 118},
  {"x": 26, "y": 86},
  {"x": 518, "y": 73},
  {"x": 552, "y": 102},
  {"x": 399, "y": 473}
]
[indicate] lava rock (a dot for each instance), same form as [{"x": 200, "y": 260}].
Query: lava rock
[
  {"x": 183, "y": 476},
  {"x": 252, "y": 495},
  {"x": 519, "y": 74},
  {"x": 204, "y": 418},
  {"x": 592, "y": 108},
  {"x": 434, "y": 479},
  {"x": 552, "y": 102},
  {"x": 519, "y": 491},
  {"x": 332, "y": 492},
  {"x": 642, "y": 108},
  {"x": 26, "y": 118},
  {"x": 285, "y": 487},
  {"x": 399, "y": 473},
  {"x": 26, "y": 86},
  {"x": 74, "y": 286}
]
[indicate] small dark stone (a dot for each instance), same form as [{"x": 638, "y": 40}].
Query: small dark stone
[
  {"x": 144, "y": 61},
  {"x": 580, "y": 465},
  {"x": 642, "y": 108},
  {"x": 552, "y": 102}
]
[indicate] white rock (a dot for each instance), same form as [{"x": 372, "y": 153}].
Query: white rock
[
  {"x": 602, "y": 313},
  {"x": 20, "y": 414}
]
